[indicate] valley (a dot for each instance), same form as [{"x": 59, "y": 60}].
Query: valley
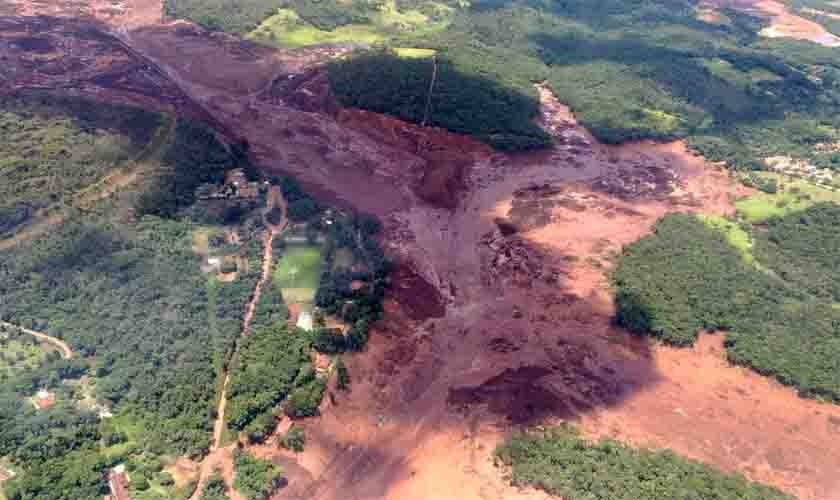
[{"x": 499, "y": 314}]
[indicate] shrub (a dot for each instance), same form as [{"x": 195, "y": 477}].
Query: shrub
[
  {"x": 304, "y": 401},
  {"x": 260, "y": 428},
  {"x": 165, "y": 479},
  {"x": 342, "y": 375},
  {"x": 255, "y": 478},
  {"x": 294, "y": 439},
  {"x": 770, "y": 186}
]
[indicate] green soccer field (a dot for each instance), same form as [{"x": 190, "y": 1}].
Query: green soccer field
[{"x": 298, "y": 272}]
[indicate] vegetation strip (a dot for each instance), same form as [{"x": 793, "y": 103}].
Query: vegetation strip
[{"x": 559, "y": 461}]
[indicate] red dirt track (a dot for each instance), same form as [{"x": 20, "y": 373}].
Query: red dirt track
[{"x": 500, "y": 312}]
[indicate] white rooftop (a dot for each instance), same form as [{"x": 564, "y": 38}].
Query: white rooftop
[{"x": 305, "y": 321}]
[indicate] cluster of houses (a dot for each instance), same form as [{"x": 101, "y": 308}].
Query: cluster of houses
[
  {"x": 799, "y": 168},
  {"x": 235, "y": 187}
]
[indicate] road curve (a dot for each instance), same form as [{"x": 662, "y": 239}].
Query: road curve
[{"x": 66, "y": 352}]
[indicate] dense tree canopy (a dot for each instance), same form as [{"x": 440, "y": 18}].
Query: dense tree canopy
[
  {"x": 774, "y": 299},
  {"x": 562, "y": 463}
]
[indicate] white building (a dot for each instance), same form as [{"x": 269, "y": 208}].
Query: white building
[{"x": 305, "y": 321}]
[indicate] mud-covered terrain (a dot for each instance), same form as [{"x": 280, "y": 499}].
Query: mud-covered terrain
[{"x": 500, "y": 310}]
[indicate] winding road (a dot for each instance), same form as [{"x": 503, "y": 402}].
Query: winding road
[{"x": 62, "y": 346}]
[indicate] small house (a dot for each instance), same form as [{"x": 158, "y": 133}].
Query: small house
[
  {"x": 43, "y": 399},
  {"x": 305, "y": 321},
  {"x": 118, "y": 482}
]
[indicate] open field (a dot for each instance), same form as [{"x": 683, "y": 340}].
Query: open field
[
  {"x": 794, "y": 195},
  {"x": 286, "y": 29},
  {"x": 331, "y": 22},
  {"x": 298, "y": 272}
]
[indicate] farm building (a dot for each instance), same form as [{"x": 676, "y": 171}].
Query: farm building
[
  {"x": 118, "y": 482},
  {"x": 305, "y": 321},
  {"x": 236, "y": 187},
  {"x": 43, "y": 399}
]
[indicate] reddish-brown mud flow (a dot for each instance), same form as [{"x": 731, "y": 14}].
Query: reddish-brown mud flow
[{"x": 500, "y": 310}]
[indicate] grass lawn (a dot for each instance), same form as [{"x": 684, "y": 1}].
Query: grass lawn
[
  {"x": 735, "y": 234},
  {"x": 414, "y": 53},
  {"x": 795, "y": 195},
  {"x": 298, "y": 273},
  {"x": 287, "y": 29}
]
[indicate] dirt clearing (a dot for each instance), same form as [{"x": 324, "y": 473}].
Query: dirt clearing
[{"x": 783, "y": 23}]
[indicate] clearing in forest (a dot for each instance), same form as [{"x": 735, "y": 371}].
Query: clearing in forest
[
  {"x": 298, "y": 272},
  {"x": 791, "y": 195}
]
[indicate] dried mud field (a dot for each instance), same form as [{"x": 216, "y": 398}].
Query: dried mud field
[
  {"x": 500, "y": 312},
  {"x": 783, "y": 22}
]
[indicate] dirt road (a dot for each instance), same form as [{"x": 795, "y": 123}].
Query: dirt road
[
  {"x": 62, "y": 346},
  {"x": 220, "y": 457}
]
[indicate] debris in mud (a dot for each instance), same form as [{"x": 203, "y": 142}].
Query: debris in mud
[
  {"x": 505, "y": 226},
  {"x": 638, "y": 180},
  {"x": 502, "y": 345},
  {"x": 308, "y": 91},
  {"x": 513, "y": 260},
  {"x": 419, "y": 298},
  {"x": 572, "y": 380}
]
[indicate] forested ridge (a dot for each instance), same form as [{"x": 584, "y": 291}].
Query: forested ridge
[
  {"x": 653, "y": 69},
  {"x": 775, "y": 300},
  {"x": 52, "y": 147}
]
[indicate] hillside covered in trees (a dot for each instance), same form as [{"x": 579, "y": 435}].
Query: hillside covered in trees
[
  {"x": 149, "y": 330},
  {"x": 653, "y": 69},
  {"x": 774, "y": 295}
]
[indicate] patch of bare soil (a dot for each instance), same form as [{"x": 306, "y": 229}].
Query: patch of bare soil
[
  {"x": 183, "y": 471},
  {"x": 131, "y": 13},
  {"x": 716, "y": 413},
  {"x": 784, "y": 23},
  {"x": 501, "y": 313}
]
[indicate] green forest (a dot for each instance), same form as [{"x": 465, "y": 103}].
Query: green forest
[
  {"x": 149, "y": 330},
  {"x": 122, "y": 283},
  {"x": 559, "y": 461},
  {"x": 775, "y": 298},
  {"x": 52, "y": 147},
  {"x": 255, "y": 478},
  {"x": 271, "y": 363},
  {"x": 629, "y": 69},
  {"x": 460, "y": 101}
]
